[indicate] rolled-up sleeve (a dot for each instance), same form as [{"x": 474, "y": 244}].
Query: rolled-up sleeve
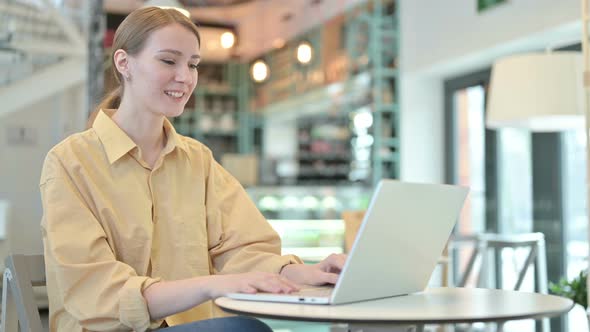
[
  {"x": 100, "y": 292},
  {"x": 240, "y": 238}
]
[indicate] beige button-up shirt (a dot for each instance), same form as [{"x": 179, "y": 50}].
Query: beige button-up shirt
[{"x": 112, "y": 226}]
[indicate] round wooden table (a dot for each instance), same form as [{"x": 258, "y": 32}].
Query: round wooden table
[{"x": 433, "y": 306}]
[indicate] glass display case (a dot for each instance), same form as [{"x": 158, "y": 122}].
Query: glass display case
[
  {"x": 311, "y": 239},
  {"x": 308, "y": 218}
]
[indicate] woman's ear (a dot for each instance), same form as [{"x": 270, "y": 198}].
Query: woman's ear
[{"x": 121, "y": 62}]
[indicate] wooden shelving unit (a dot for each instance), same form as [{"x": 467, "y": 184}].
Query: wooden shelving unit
[
  {"x": 216, "y": 114},
  {"x": 354, "y": 73}
]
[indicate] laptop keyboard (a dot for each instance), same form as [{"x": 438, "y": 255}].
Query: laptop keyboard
[{"x": 323, "y": 291}]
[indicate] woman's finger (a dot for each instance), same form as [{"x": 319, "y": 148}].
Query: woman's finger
[
  {"x": 273, "y": 285},
  {"x": 329, "y": 278},
  {"x": 293, "y": 286},
  {"x": 333, "y": 263},
  {"x": 249, "y": 290}
]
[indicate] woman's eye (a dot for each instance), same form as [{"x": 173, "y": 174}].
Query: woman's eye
[
  {"x": 168, "y": 62},
  {"x": 195, "y": 67}
]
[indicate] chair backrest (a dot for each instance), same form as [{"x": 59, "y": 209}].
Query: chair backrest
[
  {"x": 19, "y": 307},
  {"x": 483, "y": 243}
]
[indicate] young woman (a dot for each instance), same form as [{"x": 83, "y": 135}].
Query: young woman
[{"x": 141, "y": 226}]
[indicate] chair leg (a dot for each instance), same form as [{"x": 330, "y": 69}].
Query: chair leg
[
  {"x": 542, "y": 278},
  {"x": 483, "y": 279},
  {"x": 9, "y": 313},
  {"x": 533, "y": 254},
  {"x": 470, "y": 265},
  {"x": 541, "y": 267}
]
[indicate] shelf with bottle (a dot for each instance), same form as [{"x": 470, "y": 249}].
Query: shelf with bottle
[
  {"x": 217, "y": 114},
  {"x": 323, "y": 152},
  {"x": 358, "y": 77},
  {"x": 212, "y": 115},
  {"x": 372, "y": 40},
  {"x": 329, "y": 156}
]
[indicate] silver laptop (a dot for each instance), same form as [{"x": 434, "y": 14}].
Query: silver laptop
[{"x": 397, "y": 247}]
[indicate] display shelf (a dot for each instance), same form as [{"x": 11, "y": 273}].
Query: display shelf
[
  {"x": 324, "y": 152},
  {"x": 372, "y": 40},
  {"x": 219, "y": 133},
  {"x": 358, "y": 83},
  {"x": 323, "y": 157},
  {"x": 217, "y": 114}
]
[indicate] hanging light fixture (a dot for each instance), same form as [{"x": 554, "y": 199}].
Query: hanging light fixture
[
  {"x": 166, "y": 4},
  {"x": 278, "y": 43},
  {"x": 537, "y": 91},
  {"x": 304, "y": 52},
  {"x": 259, "y": 71},
  {"x": 227, "y": 39}
]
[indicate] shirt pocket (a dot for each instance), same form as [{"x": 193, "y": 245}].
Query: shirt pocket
[{"x": 192, "y": 246}]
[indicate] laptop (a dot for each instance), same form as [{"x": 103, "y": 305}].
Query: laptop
[{"x": 399, "y": 242}]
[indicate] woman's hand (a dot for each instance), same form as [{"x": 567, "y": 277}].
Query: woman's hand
[
  {"x": 250, "y": 282},
  {"x": 325, "y": 272},
  {"x": 166, "y": 298}
]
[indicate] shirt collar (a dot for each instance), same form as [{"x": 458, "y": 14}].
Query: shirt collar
[
  {"x": 116, "y": 142},
  {"x": 173, "y": 139}
]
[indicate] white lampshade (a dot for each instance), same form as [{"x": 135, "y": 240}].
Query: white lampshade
[
  {"x": 168, "y": 4},
  {"x": 540, "y": 92}
]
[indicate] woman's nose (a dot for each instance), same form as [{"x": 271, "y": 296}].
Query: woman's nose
[{"x": 184, "y": 75}]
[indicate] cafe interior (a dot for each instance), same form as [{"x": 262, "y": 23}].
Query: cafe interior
[{"x": 309, "y": 104}]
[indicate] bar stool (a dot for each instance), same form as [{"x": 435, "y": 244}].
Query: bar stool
[{"x": 487, "y": 243}]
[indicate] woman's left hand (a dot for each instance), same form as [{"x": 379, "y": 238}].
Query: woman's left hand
[{"x": 325, "y": 272}]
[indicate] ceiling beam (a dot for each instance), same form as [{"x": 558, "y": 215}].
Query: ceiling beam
[
  {"x": 35, "y": 46},
  {"x": 68, "y": 27},
  {"x": 42, "y": 84}
]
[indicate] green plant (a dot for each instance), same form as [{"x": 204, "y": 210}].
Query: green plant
[{"x": 575, "y": 289}]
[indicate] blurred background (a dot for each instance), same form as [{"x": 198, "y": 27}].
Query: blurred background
[{"x": 309, "y": 103}]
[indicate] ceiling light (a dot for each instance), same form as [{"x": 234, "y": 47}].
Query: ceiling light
[
  {"x": 259, "y": 71},
  {"x": 304, "y": 53},
  {"x": 166, "y": 4},
  {"x": 228, "y": 39},
  {"x": 278, "y": 43},
  {"x": 363, "y": 120}
]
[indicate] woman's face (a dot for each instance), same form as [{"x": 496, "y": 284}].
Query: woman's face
[{"x": 164, "y": 74}]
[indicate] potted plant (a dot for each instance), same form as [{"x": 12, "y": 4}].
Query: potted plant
[{"x": 575, "y": 290}]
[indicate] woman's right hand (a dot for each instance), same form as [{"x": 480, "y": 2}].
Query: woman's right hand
[
  {"x": 250, "y": 282},
  {"x": 166, "y": 298}
]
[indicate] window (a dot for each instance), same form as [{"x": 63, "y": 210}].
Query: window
[{"x": 520, "y": 182}]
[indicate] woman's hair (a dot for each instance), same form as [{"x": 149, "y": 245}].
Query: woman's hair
[{"x": 131, "y": 36}]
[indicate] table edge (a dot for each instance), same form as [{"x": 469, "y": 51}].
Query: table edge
[{"x": 548, "y": 314}]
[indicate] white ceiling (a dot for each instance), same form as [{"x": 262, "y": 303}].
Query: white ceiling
[{"x": 260, "y": 23}]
